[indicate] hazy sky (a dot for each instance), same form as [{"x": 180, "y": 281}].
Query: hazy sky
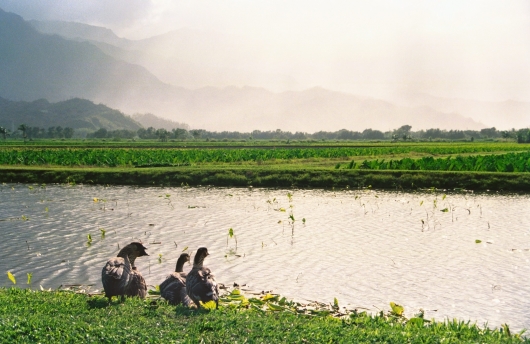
[{"x": 470, "y": 49}]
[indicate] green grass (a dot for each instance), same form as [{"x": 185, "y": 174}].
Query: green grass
[
  {"x": 52, "y": 317},
  {"x": 271, "y": 176},
  {"x": 510, "y": 162},
  {"x": 404, "y": 166},
  {"x": 167, "y": 156}
]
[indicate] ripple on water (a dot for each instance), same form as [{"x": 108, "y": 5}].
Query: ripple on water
[{"x": 366, "y": 248}]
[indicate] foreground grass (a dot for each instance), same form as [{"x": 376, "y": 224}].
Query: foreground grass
[{"x": 29, "y": 316}]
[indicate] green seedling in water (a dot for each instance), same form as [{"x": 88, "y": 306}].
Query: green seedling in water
[
  {"x": 303, "y": 220},
  {"x": 231, "y": 235},
  {"x": 30, "y": 275},
  {"x": 185, "y": 248},
  {"x": 102, "y": 233},
  {"x": 46, "y": 209},
  {"x": 89, "y": 240},
  {"x": 11, "y": 277},
  {"x": 335, "y": 303},
  {"x": 478, "y": 241},
  {"x": 160, "y": 258}
]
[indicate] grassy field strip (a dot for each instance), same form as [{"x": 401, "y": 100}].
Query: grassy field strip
[
  {"x": 275, "y": 176},
  {"x": 66, "y": 317},
  {"x": 112, "y": 157}
]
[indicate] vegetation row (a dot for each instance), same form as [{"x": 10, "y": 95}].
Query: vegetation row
[
  {"x": 509, "y": 162},
  {"x": 258, "y": 176},
  {"x": 169, "y": 157}
]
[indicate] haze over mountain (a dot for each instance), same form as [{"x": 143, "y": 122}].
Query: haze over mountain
[
  {"x": 144, "y": 76},
  {"x": 79, "y": 114}
]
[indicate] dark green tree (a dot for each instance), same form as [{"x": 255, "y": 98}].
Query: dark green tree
[{"x": 23, "y": 128}]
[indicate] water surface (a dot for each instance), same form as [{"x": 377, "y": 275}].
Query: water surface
[{"x": 366, "y": 248}]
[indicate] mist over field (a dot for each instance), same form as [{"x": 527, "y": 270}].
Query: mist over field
[{"x": 296, "y": 65}]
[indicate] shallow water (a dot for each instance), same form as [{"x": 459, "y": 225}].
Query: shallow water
[{"x": 365, "y": 248}]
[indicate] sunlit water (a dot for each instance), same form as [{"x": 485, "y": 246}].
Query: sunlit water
[{"x": 366, "y": 248}]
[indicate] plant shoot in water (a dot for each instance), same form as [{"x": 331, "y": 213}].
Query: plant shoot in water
[
  {"x": 11, "y": 277},
  {"x": 160, "y": 258},
  {"x": 102, "y": 233},
  {"x": 30, "y": 275},
  {"x": 89, "y": 240},
  {"x": 231, "y": 235}
]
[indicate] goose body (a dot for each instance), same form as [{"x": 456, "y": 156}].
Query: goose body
[
  {"x": 173, "y": 288},
  {"x": 119, "y": 275},
  {"x": 200, "y": 282}
]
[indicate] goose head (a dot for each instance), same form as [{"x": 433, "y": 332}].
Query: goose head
[
  {"x": 198, "y": 260},
  {"x": 133, "y": 251},
  {"x": 184, "y": 257}
]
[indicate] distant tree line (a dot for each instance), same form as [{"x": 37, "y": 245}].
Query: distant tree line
[
  {"x": 403, "y": 133},
  {"x": 27, "y": 132}
]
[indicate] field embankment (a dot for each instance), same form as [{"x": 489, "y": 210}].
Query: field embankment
[{"x": 271, "y": 177}]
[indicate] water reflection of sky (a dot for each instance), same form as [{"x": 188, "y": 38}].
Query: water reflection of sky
[{"x": 366, "y": 248}]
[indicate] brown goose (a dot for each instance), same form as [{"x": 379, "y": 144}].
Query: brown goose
[
  {"x": 119, "y": 275},
  {"x": 173, "y": 288},
  {"x": 200, "y": 283}
]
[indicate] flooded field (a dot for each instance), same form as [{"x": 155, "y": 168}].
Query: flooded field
[{"x": 455, "y": 256}]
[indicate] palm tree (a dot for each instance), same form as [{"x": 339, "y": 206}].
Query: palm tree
[
  {"x": 4, "y": 132},
  {"x": 23, "y": 128}
]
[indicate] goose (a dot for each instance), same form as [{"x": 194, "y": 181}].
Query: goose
[
  {"x": 173, "y": 288},
  {"x": 120, "y": 276},
  {"x": 200, "y": 282}
]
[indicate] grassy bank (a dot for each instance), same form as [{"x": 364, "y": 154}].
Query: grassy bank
[
  {"x": 270, "y": 176},
  {"x": 28, "y": 316}
]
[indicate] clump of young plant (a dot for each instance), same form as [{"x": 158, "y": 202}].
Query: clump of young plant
[
  {"x": 231, "y": 235},
  {"x": 167, "y": 197}
]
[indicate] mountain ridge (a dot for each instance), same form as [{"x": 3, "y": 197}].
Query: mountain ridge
[{"x": 37, "y": 65}]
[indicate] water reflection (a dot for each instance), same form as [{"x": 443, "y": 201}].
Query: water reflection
[{"x": 460, "y": 255}]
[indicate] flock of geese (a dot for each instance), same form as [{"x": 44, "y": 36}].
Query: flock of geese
[{"x": 121, "y": 278}]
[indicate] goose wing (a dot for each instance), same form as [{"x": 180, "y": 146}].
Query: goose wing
[
  {"x": 201, "y": 286},
  {"x": 171, "y": 289},
  {"x": 116, "y": 276},
  {"x": 137, "y": 286}
]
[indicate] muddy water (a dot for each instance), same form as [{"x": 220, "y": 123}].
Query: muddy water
[{"x": 366, "y": 248}]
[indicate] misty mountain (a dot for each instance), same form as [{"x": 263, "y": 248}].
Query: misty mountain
[
  {"x": 312, "y": 110},
  {"x": 185, "y": 58},
  {"x": 149, "y": 120},
  {"x": 514, "y": 114},
  {"x": 34, "y": 65},
  {"x": 78, "y": 31},
  {"x": 80, "y": 114},
  {"x": 194, "y": 59}
]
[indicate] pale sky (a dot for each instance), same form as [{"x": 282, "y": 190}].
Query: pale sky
[{"x": 468, "y": 49}]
